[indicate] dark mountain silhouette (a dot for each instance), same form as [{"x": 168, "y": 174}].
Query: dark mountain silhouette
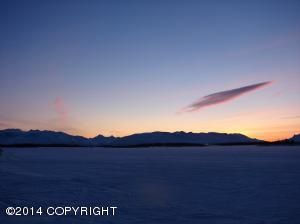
[
  {"x": 178, "y": 138},
  {"x": 17, "y": 137},
  {"x": 37, "y": 137},
  {"x": 296, "y": 138},
  {"x": 101, "y": 140}
]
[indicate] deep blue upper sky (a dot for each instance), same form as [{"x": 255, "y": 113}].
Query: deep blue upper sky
[{"x": 118, "y": 67}]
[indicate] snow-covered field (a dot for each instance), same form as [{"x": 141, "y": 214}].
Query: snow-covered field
[{"x": 240, "y": 184}]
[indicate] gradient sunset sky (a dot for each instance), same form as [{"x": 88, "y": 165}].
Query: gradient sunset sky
[{"x": 123, "y": 67}]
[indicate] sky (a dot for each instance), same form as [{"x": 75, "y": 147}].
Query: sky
[{"x": 124, "y": 67}]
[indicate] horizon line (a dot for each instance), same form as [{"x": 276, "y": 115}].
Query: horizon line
[{"x": 203, "y": 132}]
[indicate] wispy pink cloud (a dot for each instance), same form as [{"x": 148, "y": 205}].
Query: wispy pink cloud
[
  {"x": 223, "y": 97},
  {"x": 63, "y": 120},
  {"x": 61, "y": 109}
]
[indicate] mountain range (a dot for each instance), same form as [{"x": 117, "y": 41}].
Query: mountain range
[{"x": 17, "y": 137}]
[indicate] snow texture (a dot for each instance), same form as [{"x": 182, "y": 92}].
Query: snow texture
[{"x": 217, "y": 184}]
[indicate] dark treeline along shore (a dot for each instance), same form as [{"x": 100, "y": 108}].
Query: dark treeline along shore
[{"x": 37, "y": 138}]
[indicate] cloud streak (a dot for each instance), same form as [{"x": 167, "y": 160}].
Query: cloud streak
[
  {"x": 60, "y": 109},
  {"x": 223, "y": 97}
]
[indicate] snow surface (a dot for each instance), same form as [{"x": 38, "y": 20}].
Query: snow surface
[{"x": 217, "y": 184}]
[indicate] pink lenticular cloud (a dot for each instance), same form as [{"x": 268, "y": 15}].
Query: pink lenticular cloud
[
  {"x": 223, "y": 97},
  {"x": 60, "y": 108}
]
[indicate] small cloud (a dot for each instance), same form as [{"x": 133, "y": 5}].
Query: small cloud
[
  {"x": 222, "y": 97},
  {"x": 61, "y": 109}
]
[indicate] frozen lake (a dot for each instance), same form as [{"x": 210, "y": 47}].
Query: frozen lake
[{"x": 232, "y": 184}]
